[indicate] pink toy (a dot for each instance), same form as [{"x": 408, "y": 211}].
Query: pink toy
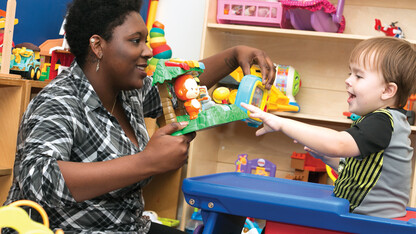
[
  {"x": 315, "y": 15},
  {"x": 250, "y": 12}
]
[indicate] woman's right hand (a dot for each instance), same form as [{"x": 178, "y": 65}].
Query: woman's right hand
[{"x": 166, "y": 151}]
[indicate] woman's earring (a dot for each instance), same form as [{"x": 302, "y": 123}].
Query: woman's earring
[{"x": 98, "y": 66}]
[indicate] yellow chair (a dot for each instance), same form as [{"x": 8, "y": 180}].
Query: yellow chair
[{"x": 12, "y": 216}]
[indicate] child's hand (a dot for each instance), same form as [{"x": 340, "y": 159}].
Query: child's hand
[
  {"x": 270, "y": 121},
  {"x": 314, "y": 153}
]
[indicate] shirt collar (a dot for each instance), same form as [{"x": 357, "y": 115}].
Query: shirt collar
[{"x": 86, "y": 90}]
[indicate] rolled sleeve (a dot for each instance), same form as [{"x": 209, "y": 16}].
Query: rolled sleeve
[{"x": 44, "y": 141}]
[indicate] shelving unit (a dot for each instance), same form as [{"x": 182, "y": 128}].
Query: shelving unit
[
  {"x": 322, "y": 62},
  {"x": 15, "y": 94}
]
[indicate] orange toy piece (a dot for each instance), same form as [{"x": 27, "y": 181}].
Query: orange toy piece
[
  {"x": 410, "y": 101},
  {"x": 187, "y": 90}
]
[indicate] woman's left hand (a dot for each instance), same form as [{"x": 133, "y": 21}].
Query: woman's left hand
[
  {"x": 223, "y": 63},
  {"x": 247, "y": 56}
]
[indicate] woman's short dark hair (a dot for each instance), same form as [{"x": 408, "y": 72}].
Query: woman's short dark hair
[{"x": 88, "y": 17}]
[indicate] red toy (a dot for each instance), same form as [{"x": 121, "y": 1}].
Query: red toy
[
  {"x": 63, "y": 57},
  {"x": 392, "y": 30},
  {"x": 1, "y": 42},
  {"x": 305, "y": 164}
]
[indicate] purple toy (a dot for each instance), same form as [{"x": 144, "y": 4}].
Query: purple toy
[
  {"x": 315, "y": 15},
  {"x": 257, "y": 166}
]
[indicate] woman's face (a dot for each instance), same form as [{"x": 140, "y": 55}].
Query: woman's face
[{"x": 125, "y": 55}]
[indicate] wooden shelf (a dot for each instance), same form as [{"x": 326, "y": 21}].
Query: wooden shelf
[
  {"x": 15, "y": 94},
  {"x": 292, "y": 33},
  {"x": 324, "y": 119},
  {"x": 5, "y": 171},
  {"x": 10, "y": 79}
]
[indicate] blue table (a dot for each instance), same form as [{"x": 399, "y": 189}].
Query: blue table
[{"x": 226, "y": 199}]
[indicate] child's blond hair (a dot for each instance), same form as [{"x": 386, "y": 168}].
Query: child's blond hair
[{"x": 394, "y": 59}]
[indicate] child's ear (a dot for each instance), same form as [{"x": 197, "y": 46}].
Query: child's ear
[{"x": 390, "y": 91}]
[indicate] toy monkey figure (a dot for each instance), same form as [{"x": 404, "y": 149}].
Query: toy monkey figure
[{"x": 187, "y": 90}]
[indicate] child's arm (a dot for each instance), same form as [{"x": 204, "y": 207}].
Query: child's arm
[
  {"x": 330, "y": 161},
  {"x": 323, "y": 140}
]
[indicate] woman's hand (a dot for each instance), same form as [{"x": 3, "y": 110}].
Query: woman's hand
[
  {"x": 168, "y": 152},
  {"x": 222, "y": 64},
  {"x": 247, "y": 56}
]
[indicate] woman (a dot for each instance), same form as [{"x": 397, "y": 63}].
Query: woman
[{"x": 83, "y": 150}]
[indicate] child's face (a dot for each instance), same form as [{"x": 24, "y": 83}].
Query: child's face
[{"x": 365, "y": 87}]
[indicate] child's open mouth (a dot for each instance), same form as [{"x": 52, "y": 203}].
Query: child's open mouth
[{"x": 350, "y": 97}]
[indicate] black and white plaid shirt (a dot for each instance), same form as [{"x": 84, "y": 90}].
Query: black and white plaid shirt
[{"x": 67, "y": 121}]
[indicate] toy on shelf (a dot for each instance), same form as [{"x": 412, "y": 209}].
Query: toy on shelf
[
  {"x": 307, "y": 168},
  {"x": 224, "y": 95},
  {"x": 151, "y": 14},
  {"x": 251, "y": 227},
  {"x": 288, "y": 81},
  {"x": 2, "y": 24},
  {"x": 250, "y": 12},
  {"x": 257, "y": 166},
  {"x": 64, "y": 57},
  {"x": 392, "y": 30},
  {"x": 351, "y": 116},
  {"x": 152, "y": 215},
  {"x": 315, "y": 15},
  {"x": 61, "y": 58},
  {"x": 25, "y": 61},
  {"x": 1, "y": 44},
  {"x": 46, "y": 56},
  {"x": 55, "y": 56},
  {"x": 3, "y": 19},
  {"x": 9, "y": 21},
  {"x": 12, "y": 216},
  {"x": 194, "y": 223},
  {"x": 410, "y": 102},
  {"x": 409, "y": 108},
  {"x": 252, "y": 91}
]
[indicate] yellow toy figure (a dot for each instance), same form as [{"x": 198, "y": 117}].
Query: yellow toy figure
[
  {"x": 12, "y": 216},
  {"x": 241, "y": 161},
  {"x": 19, "y": 52}
]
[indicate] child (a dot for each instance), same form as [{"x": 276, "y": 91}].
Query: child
[{"x": 374, "y": 156}]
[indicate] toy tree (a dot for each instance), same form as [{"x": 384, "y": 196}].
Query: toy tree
[
  {"x": 165, "y": 73},
  {"x": 161, "y": 51}
]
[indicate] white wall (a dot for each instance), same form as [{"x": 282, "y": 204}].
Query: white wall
[{"x": 183, "y": 20}]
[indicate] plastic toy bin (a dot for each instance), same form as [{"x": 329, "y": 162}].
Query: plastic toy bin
[{"x": 260, "y": 13}]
